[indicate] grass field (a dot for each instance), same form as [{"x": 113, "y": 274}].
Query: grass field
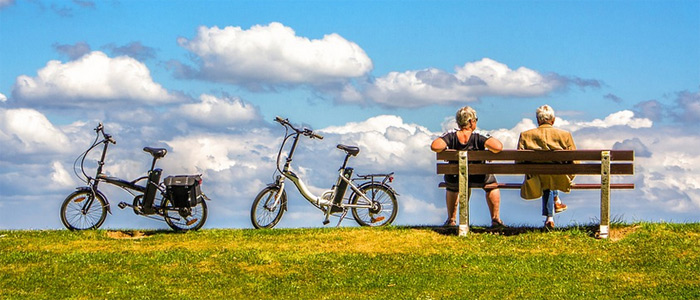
[{"x": 639, "y": 261}]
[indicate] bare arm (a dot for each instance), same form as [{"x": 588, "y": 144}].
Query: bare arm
[
  {"x": 494, "y": 145},
  {"x": 438, "y": 145}
]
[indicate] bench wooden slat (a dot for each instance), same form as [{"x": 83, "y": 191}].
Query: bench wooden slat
[
  {"x": 578, "y": 186},
  {"x": 531, "y": 155},
  {"x": 578, "y": 169}
]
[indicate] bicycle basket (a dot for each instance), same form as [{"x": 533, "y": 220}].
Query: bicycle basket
[{"x": 183, "y": 190}]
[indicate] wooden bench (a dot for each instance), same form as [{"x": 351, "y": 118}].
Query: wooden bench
[{"x": 520, "y": 162}]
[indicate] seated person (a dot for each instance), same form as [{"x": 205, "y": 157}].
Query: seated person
[
  {"x": 546, "y": 137},
  {"x": 467, "y": 139}
]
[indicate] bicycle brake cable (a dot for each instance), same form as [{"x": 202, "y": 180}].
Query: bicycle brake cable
[
  {"x": 81, "y": 157},
  {"x": 279, "y": 153}
]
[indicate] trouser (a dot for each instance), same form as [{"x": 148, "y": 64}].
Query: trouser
[{"x": 548, "y": 202}]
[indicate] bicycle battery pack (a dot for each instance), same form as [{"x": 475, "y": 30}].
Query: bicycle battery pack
[
  {"x": 183, "y": 190},
  {"x": 342, "y": 186},
  {"x": 151, "y": 189}
]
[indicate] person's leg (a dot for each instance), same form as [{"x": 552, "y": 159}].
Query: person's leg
[
  {"x": 493, "y": 200},
  {"x": 548, "y": 207},
  {"x": 451, "y": 201}
]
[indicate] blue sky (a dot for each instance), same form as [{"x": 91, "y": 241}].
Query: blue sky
[{"x": 204, "y": 79}]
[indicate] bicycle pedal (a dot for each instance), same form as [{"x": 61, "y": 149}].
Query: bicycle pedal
[
  {"x": 379, "y": 219},
  {"x": 190, "y": 222},
  {"x": 325, "y": 222},
  {"x": 122, "y": 205}
]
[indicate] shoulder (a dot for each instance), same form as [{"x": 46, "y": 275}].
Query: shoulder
[
  {"x": 449, "y": 137},
  {"x": 482, "y": 135},
  {"x": 450, "y": 134},
  {"x": 530, "y": 132},
  {"x": 561, "y": 131}
]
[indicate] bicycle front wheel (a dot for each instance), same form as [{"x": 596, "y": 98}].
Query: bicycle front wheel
[
  {"x": 184, "y": 218},
  {"x": 383, "y": 206},
  {"x": 83, "y": 210},
  {"x": 267, "y": 211}
]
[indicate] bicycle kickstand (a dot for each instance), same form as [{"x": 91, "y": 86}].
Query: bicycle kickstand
[{"x": 345, "y": 212}]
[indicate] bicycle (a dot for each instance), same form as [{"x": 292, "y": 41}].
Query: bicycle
[
  {"x": 372, "y": 202},
  {"x": 180, "y": 202}
]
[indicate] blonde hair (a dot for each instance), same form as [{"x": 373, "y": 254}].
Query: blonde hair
[
  {"x": 464, "y": 115},
  {"x": 545, "y": 114}
]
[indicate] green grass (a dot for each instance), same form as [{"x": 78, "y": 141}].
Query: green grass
[{"x": 639, "y": 261}]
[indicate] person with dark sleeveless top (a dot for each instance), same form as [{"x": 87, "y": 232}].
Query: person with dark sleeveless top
[{"x": 467, "y": 138}]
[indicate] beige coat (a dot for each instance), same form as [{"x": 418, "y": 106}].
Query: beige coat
[{"x": 545, "y": 138}]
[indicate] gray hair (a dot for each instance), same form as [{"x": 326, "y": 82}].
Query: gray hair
[
  {"x": 464, "y": 115},
  {"x": 545, "y": 114}
]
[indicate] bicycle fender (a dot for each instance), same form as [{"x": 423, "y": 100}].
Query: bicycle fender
[
  {"x": 277, "y": 186},
  {"x": 88, "y": 189},
  {"x": 375, "y": 183}
]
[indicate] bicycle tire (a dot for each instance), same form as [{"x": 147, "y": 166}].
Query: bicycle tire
[
  {"x": 74, "y": 218},
  {"x": 384, "y": 210},
  {"x": 264, "y": 216},
  {"x": 185, "y": 218}
]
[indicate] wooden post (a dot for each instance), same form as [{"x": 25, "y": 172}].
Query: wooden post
[
  {"x": 604, "y": 194},
  {"x": 464, "y": 193}
]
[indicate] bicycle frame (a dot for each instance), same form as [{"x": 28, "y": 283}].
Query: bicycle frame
[
  {"x": 344, "y": 174},
  {"x": 130, "y": 186}
]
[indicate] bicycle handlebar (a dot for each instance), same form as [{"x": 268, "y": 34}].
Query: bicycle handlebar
[
  {"x": 107, "y": 137},
  {"x": 305, "y": 131}
]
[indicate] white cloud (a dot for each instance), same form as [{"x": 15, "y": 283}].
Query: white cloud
[
  {"x": 27, "y": 131},
  {"x": 387, "y": 141},
  {"x": 486, "y": 77},
  {"x": 378, "y": 124},
  {"x": 216, "y": 152},
  {"x": 620, "y": 118},
  {"x": 93, "y": 77},
  {"x": 494, "y": 78},
  {"x": 213, "y": 111},
  {"x": 60, "y": 176},
  {"x": 3, "y": 98},
  {"x": 272, "y": 54}
]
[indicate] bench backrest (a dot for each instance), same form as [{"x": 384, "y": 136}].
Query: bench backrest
[{"x": 588, "y": 162}]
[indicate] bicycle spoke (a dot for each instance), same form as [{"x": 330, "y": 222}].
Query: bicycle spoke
[{"x": 72, "y": 214}]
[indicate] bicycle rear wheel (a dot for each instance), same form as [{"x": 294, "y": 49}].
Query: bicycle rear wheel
[
  {"x": 83, "y": 210},
  {"x": 184, "y": 218},
  {"x": 266, "y": 212},
  {"x": 384, "y": 206}
]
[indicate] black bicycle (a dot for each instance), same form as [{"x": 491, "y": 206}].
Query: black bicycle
[{"x": 178, "y": 199}]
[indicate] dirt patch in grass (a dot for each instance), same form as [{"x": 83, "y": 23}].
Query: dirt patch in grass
[
  {"x": 130, "y": 235},
  {"x": 617, "y": 234}
]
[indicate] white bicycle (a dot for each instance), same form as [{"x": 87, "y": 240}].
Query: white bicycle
[{"x": 372, "y": 202}]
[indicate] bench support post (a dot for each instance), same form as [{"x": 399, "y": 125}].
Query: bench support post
[
  {"x": 464, "y": 193},
  {"x": 604, "y": 194}
]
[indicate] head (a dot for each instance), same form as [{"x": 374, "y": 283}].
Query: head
[
  {"x": 545, "y": 115},
  {"x": 465, "y": 116}
]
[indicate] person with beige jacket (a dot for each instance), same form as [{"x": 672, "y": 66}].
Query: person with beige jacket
[{"x": 546, "y": 138}]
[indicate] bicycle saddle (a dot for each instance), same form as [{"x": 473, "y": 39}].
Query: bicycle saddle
[
  {"x": 350, "y": 150},
  {"x": 156, "y": 152}
]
